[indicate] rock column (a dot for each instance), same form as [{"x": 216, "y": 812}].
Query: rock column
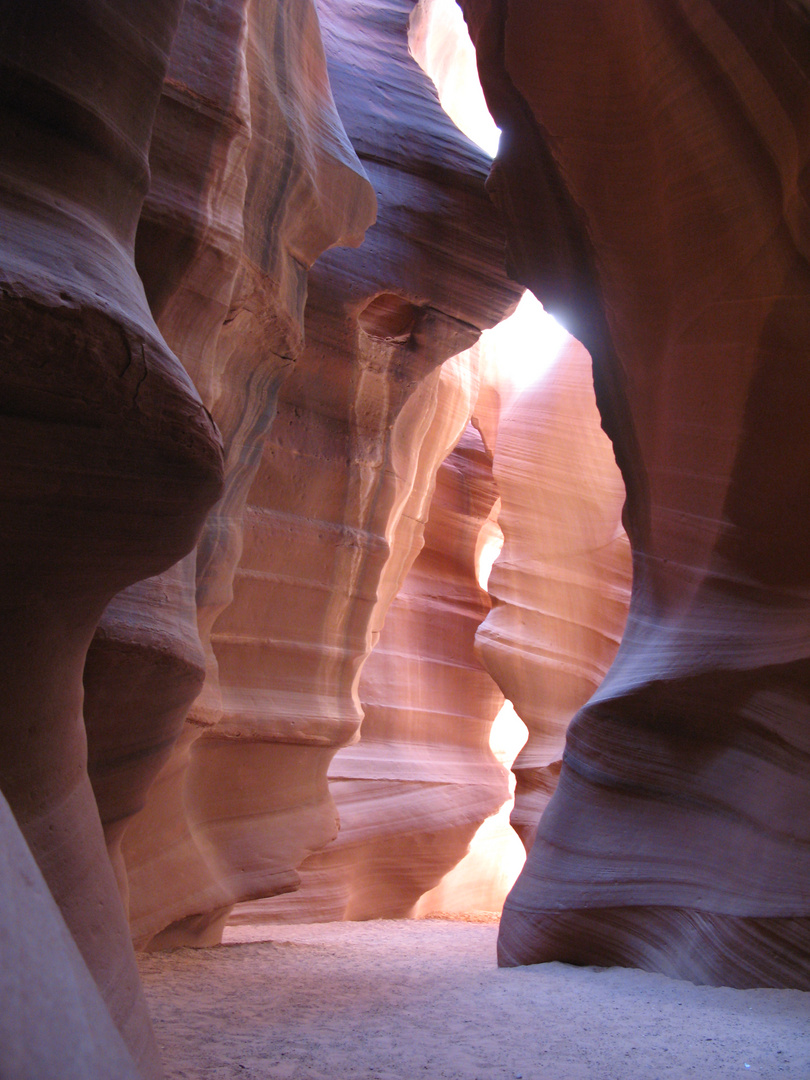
[
  {"x": 110, "y": 459},
  {"x": 658, "y": 204}
]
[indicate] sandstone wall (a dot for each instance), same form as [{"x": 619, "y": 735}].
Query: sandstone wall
[
  {"x": 299, "y": 560},
  {"x": 110, "y": 459},
  {"x": 50, "y": 999},
  {"x": 657, "y": 204},
  {"x": 253, "y": 177},
  {"x": 414, "y": 789},
  {"x": 331, "y": 526},
  {"x": 560, "y": 586}
]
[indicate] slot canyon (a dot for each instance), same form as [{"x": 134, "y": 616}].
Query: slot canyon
[{"x": 338, "y": 578}]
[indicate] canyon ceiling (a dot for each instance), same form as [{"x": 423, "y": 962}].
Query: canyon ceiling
[{"x": 255, "y": 446}]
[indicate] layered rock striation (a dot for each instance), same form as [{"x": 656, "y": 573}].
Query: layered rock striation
[
  {"x": 560, "y": 587},
  {"x": 423, "y": 778},
  {"x": 110, "y": 459},
  {"x": 658, "y": 205},
  {"x": 328, "y": 534},
  {"x": 253, "y": 177},
  {"x": 414, "y": 789},
  {"x": 299, "y": 560}
]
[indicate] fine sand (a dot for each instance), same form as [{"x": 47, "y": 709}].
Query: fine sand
[{"x": 424, "y": 999}]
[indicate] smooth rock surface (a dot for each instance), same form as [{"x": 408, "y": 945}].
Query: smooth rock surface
[
  {"x": 50, "y": 1000},
  {"x": 560, "y": 586},
  {"x": 413, "y": 791},
  {"x": 658, "y": 205},
  {"x": 110, "y": 459},
  {"x": 253, "y": 177},
  {"x": 320, "y": 559}
]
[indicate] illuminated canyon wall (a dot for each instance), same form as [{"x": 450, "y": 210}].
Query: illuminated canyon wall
[
  {"x": 658, "y": 206},
  {"x": 560, "y": 587},
  {"x": 412, "y": 792},
  {"x": 331, "y": 521},
  {"x": 223, "y": 422},
  {"x": 114, "y": 460},
  {"x": 253, "y": 178}
]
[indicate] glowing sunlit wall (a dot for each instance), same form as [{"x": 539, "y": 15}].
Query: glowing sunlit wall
[{"x": 512, "y": 356}]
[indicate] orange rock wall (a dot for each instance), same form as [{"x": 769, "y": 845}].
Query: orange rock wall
[
  {"x": 279, "y": 109},
  {"x": 320, "y": 456},
  {"x": 110, "y": 459},
  {"x": 561, "y": 584},
  {"x": 224, "y": 251},
  {"x": 330, "y": 524},
  {"x": 658, "y": 206},
  {"x": 413, "y": 790}
]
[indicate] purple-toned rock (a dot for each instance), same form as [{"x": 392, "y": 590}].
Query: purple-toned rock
[
  {"x": 657, "y": 204},
  {"x": 110, "y": 459}
]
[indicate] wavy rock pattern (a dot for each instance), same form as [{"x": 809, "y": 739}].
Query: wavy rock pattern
[
  {"x": 561, "y": 585},
  {"x": 429, "y": 707},
  {"x": 414, "y": 789},
  {"x": 110, "y": 459},
  {"x": 677, "y": 838},
  {"x": 253, "y": 177},
  {"x": 328, "y": 536}
]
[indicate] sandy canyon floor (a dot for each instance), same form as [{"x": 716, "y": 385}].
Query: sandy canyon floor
[{"x": 405, "y": 1000}]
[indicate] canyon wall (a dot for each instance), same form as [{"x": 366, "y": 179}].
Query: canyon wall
[
  {"x": 110, "y": 459},
  {"x": 50, "y": 1000},
  {"x": 317, "y": 528},
  {"x": 657, "y": 205},
  {"x": 113, "y": 598},
  {"x": 423, "y": 772},
  {"x": 560, "y": 587},
  {"x": 332, "y": 523},
  {"x": 414, "y": 789},
  {"x": 238, "y": 211}
]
